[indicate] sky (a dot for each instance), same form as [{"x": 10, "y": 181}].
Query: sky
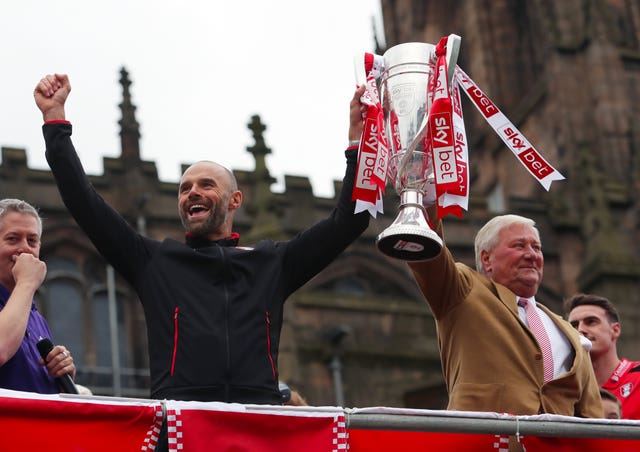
[{"x": 200, "y": 69}]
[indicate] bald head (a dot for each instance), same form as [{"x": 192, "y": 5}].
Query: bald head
[{"x": 214, "y": 168}]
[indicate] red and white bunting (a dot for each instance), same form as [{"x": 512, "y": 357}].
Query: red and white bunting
[
  {"x": 456, "y": 199},
  {"x": 441, "y": 133},
  {"x": 530, "y": 158},
  {"x": 373, "y": 153}
]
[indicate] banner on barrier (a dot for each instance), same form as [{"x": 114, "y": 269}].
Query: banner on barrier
[
  {"x": 196, "y": 426},
  {"x": 54, "y": 423}
]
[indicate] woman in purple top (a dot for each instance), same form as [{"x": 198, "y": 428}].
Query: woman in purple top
[{"x": 21, "y": 325}]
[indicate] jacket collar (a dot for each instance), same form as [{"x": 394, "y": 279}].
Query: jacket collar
[{"x": 201, "y": 242}]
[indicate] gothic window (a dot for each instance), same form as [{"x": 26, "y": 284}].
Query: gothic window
[
  {"x": 62, "y": 306},
  {"x": 102, "y": 329},
  {"x": 78, "y": 313},
  {"x": 107, "y": 319}
]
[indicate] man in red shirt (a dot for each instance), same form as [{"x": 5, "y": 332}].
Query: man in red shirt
[{"x": 597, "y": 319}]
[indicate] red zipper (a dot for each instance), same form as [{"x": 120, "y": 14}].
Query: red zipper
[
  {"x": 273, "y": 367},
  {"x": 175, "y": 340}
]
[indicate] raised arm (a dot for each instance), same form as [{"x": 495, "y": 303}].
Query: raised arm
[
  {"x": 316, "y": 247},
  {"x": 110, "y": 233}
]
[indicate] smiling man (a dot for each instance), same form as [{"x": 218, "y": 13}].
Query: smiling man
[
  {"x": 597, "y": 319},
  {"x": 213, "y": 309},
  {"x": 494, "y": 354},
  {"x": 208, "y": 196},
  {"x": 21, "y": 324}
]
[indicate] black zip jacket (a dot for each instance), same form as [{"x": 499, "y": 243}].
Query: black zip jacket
[{"x": 213, "y": 310}]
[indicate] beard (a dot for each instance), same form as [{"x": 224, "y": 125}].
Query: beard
[{"x": 210, "y": 225}]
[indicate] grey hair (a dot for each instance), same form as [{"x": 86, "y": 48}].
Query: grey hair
[
  {"x": 8, "y": 205},
  {"x": 487, "y": 237}
]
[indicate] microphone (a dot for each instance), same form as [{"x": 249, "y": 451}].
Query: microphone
[{"x": 65, "y": 383}]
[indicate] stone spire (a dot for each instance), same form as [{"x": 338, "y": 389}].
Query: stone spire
[
  {"x": 260, "y": 149},
  {"x": 262, "y": 206},
  {"x": 129, "y": 127}
]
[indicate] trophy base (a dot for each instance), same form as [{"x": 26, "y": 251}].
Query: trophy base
[{"x": 409, "y": 243}]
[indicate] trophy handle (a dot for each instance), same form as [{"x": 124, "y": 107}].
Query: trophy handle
[
  {"x": 358, "y": 66},
  {"x": 453, "y": 50}
]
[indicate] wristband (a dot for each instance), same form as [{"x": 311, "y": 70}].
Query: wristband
[{"x": 354, "y": 143}]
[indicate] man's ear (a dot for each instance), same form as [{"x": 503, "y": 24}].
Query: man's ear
[
  {"x": 235, "y": 200},
  {"x": 486, "y": 261},
  {"x": 615, "y": 330}
]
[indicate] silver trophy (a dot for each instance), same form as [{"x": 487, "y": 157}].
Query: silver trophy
[{"x": 407, "y": 74}]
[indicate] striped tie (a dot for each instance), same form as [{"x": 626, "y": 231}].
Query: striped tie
[{"x": 538, "y": 330}]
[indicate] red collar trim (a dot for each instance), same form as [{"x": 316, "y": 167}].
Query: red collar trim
[{"x": 57, "y": 121}]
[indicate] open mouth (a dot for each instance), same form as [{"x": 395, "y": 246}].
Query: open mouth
[{"x": 197, "y": 210}]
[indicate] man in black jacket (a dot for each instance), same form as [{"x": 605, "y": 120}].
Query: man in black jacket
[{"x": 213, "y": 310}]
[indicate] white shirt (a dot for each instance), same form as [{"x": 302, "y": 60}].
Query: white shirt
[{"x": 561, "y": 348}]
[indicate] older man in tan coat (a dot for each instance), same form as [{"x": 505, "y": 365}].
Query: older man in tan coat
[{"x": 491, "y": 357}]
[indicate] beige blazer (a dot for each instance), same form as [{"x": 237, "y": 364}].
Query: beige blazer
[{"x": 490, "y": 359}]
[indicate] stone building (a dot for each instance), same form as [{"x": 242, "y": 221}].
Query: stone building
[{"x": 360, "y": 334}]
